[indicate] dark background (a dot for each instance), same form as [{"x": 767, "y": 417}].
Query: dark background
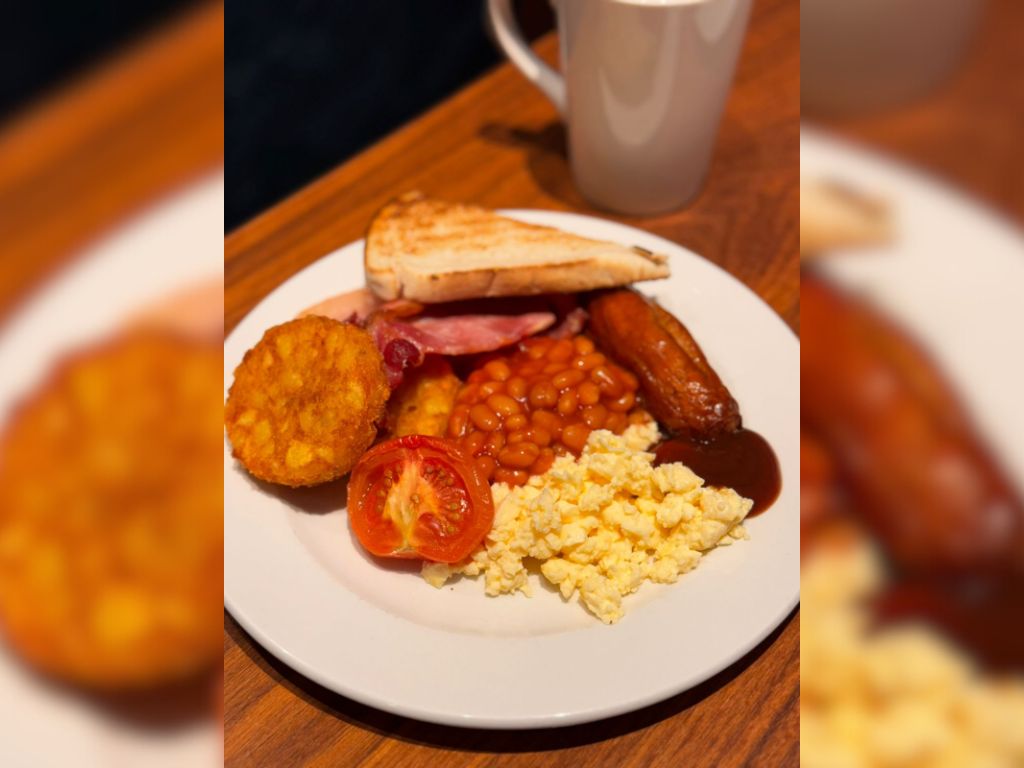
[
  {"x": 311, "y": 82},
  {"x": 43, "y": 42},
  {"x": 308, "y": 82}
]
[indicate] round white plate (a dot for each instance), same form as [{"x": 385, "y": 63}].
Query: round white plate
[
  {"x": 176, "y": 242},
  {"x": 952, "y": 276},
  {"x": 298, "y": 582}
]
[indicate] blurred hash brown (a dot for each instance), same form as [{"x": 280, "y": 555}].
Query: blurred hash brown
[
  {"x": 306, "y": 401},
  {"x": 111, "y": 527}
]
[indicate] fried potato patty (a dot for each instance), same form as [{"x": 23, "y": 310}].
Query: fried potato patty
[
  {"x": 306, "y": 401},
  {"x": 424, "y": 400},
  {"x": 111, "y": 515}
]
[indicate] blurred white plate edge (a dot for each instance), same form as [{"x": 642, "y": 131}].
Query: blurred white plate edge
[
  {"x": 170, "y": 244},
  {"x": 953, "y": 276}
]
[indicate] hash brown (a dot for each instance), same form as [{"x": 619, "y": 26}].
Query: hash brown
[
  {"x": 306, "y": 401},
  {"x": 111, "y": 524}
]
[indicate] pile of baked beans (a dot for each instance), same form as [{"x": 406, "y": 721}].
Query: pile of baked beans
[{"x": 516, "y": 413}]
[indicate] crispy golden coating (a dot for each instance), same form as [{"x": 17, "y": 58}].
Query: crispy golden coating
[
  {"x": 306, "y": 401},
  {"x": 423, "y": 402},
  {"x": 111, "y": 515}
]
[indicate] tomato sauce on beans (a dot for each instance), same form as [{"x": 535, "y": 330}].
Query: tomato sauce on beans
[{"x": 515, "y": 414}]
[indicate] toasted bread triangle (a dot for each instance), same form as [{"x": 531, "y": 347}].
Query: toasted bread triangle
[
  {"x": 833, "y": 215},
  {"x": 432, "y": 251}
]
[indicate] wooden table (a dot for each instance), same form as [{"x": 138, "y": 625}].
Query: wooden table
[
  {"x": 497, "y": 142},
  {"x": 968, "y": 132},
  {"x": 141, "y": 124}
]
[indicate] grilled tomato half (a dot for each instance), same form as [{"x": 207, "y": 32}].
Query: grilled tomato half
[{"x": 419, "y": 496}]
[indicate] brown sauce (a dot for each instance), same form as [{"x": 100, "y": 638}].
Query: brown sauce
[{"x": 741, "y": 460}]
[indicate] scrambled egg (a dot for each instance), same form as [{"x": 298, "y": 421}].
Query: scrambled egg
[
  {"x": 602, "y": 524},
  {"x": 899, "y": 696}
]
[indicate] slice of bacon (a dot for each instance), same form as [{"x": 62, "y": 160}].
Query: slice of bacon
[
  {"x": 404, "y": 342},
  {"x": 572, "y": 323},
  {"x": 404, "y": 337}
]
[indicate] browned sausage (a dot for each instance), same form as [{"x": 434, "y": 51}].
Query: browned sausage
[
  {"x": 680, "y": 388},
  {"x": 919, "y": 474}
]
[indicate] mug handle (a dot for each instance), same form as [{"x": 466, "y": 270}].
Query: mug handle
[{"x": 509, "y": 37}]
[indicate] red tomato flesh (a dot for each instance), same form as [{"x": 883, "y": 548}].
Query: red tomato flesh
[{"x": 418, "y": 496}]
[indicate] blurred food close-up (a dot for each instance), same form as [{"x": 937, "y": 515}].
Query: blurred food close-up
[
  {"x": 111, "y": 325},
  {"x": 912, "y": 503}
]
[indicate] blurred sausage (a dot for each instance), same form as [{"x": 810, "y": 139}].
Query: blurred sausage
[
  {"x": 681, "y": 389},
  {"x": 917, "y": 471}
]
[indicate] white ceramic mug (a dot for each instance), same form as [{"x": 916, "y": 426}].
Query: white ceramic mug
[
  {"x": 870, "y": 55},
  {"x": 642, "y": 90}
]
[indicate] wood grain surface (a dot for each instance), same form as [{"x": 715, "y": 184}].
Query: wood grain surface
[
  {"x": 968, "y": 131},
  {"x": 499, "y": 143}
]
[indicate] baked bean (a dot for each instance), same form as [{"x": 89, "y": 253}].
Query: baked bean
[
  {"x": 511, "y": 476},
  {"x": 516, "y": 387},
  {"x": 606, "y": 381},
  {"x": 561, "y": 351},
  {"x": 588, "y": 393},
  {"x": 543, "y": 395},
  {"x": 594, "y": 416},
  {"x": 622, "y": 403},
  {"x": 519, "y": 436},
  {"x": 516, "y": 421},
  {"x": 519, "y": 456},
  {"x": 552, "y": 368},
  {"x": 457, "y": 420},
  {"x": 582, "y": 345},
  {"x": 568, "y": 402},
  {"x": 489, "y": 388},
  {"x": 543, "y": 462},
  {"x": 468, "y": 394},
  {"x": 617, "y": 423},
  {"x": 486, "y": 465},
  {"x": 628, "y": 378},
  {"x": 536, "y": 350},
  {"x": 539, "y": 436},
  {"x": 574, "y": 437},
  {"x": 495, "y": 442},
  {"x": 531, "y": 368},
  {"x": 477, "y": 377},
  {"x": 546, "y": 420},
  {"x": 638, "y": 417},
  {"x": 484, "y": 418},
  {"x": 498, "y": 370},
  {"x": 588, "y": 361},
  {"x": 473, "y": 443},
  {"x": 503, "y": 405},
  {"x": 570, "y": 377},
  {"x": 536, "y": 435}
]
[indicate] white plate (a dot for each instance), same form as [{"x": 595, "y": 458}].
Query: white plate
[
  {"x": 952, "y": 276},
  {"x": 176, "y": 242},
  {"x": 299, "y": 583}
]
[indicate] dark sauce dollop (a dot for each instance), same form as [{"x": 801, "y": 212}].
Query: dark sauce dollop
[{"x": 741, "y": 460}]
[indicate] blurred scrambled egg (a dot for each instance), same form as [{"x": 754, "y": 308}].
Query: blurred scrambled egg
[
  {"x": 602, "y": 524},
  {"x": 899, "y": 696}
]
